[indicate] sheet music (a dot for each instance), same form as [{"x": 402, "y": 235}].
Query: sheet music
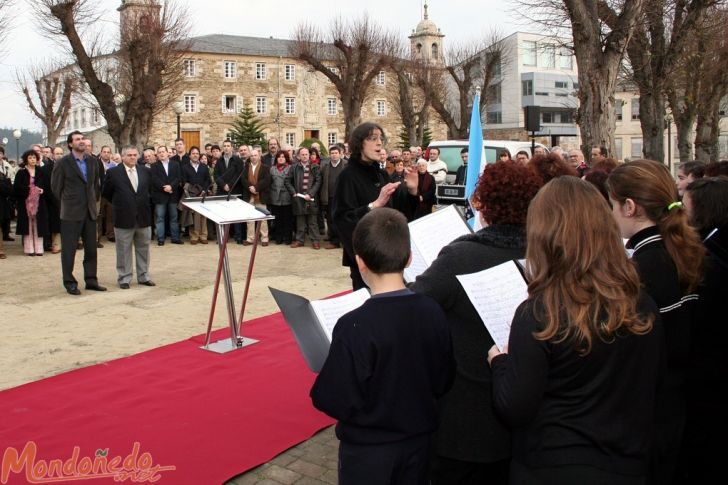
[
  {"x": 226, "y": 211},
  {"x": 435, "y": 231},
  {"x": 329, "y": 311},
  {"x": 416, "y": 267},
  {"x": 496, "y": 293}
]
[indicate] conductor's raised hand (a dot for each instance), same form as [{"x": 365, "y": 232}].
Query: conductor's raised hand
[
  {"x": 385, "y": 193},
  {"x": 411, "y": 180}
]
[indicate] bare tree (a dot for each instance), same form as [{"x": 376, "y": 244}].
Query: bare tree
[
  {"x": 654, "y": 51},
  {"x": 357, "y": 50},
  {"x": 697, "y": 85},
  {"x": 452, "y": 88},
  {"x": 412, "y": 100},
  {"x": 599, "y": 51},
  {"x": 48, "y": 90},
  {"x": 714, "y": 87},
  {"x": 136, "y": 79},
  {"x": 5, "y": 6}
]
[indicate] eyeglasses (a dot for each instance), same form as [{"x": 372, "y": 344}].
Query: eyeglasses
[{"x": 377, "y": 138}]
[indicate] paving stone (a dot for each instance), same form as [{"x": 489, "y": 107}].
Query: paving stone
[
  {"x": 331, "y": 477},
  {"x": 281, "y": 474},
  {"x": 307, "y": 468},
  {"x": 309, "y": 481},
  {"x": 284, "y": 459}
]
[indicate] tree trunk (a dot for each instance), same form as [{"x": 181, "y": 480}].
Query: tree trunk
[
  {"x": 652, "y": 121},
  {"x": 599, "y": 58},
  {"x": 707, "y": 132}
]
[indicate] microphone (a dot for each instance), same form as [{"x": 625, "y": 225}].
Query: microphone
[{"x": 237, "y": 179}]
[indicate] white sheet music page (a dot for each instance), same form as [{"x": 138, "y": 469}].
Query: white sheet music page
[
  {"x": 435, "y": 231},
  {"x": 416, "y": 267},
  {"x": 496, "y": 293},
  {"x": 329, "y": 311},
  {"x": 222, "y": 211}
]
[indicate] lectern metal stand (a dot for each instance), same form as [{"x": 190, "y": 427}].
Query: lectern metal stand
[{"x": 218, "y": 209}]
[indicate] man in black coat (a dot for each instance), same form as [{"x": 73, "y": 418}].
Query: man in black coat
[
  {"x": 75, "y": 183},
  {"x": 232, "y": 180},
  {"x": 166, "y": 188},
  {"x": 128, "y": 187}
]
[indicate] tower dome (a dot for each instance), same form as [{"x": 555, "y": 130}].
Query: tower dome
[{"x": 426, "y": 40}]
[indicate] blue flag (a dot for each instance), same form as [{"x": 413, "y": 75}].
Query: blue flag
[{"x": 476, "y": 156}]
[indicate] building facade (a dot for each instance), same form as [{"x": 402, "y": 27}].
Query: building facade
[
  {"x": 535, "y": 71},
  {"x": 224, "y": 73}
]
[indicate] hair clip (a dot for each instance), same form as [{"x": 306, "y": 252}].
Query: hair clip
[{"x": 675, "y": 204}]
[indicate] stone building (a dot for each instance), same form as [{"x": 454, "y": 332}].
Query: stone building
[{"x": 223, "y": 73}]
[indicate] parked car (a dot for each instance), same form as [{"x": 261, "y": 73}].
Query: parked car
[{"x": 450, "y": 152}]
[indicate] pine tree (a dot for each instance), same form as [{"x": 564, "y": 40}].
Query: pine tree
[
  {"x": 405, "y": 141},
  {"x": 247, "y": 129}
]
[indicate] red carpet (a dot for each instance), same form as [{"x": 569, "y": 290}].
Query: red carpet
[{"x": 208, "y": 416}]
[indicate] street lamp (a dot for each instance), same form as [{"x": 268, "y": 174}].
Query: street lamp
[
  {"x": 179, "y": 108},
  {"x": 17, "y": 134}
]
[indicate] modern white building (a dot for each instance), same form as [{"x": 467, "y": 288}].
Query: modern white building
[{"x": 536, "y": 71}]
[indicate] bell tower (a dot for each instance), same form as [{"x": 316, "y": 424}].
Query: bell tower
[
  {"x": 426, "y": 40},
  {"x": 137, "y": 14}
]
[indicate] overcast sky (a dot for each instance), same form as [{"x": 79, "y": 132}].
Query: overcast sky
[{"x": 459, "y": 20}]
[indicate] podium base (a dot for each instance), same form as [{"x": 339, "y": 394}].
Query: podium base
[{"x": 225, "y": 345}]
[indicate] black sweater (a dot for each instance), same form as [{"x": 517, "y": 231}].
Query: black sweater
[
  {"x": 660, "y": 280},
  {"x": 570, "y": 409},
  {"x": 469, "y": 429},
  {"x": 357, "y": 186},
  {"x": 389, "y": 360}
]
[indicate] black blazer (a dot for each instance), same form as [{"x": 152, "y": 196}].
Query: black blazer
[
  {"x": 221, "y": 169},
  {"x": 200, "y": 177},
  {"x": 160, "y": 179},
  {"x": 131, "y": 209},
  {"x": 76, "y": 195}
]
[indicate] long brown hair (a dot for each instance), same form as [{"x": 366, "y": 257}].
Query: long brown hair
[
  {"x": 650, "y": 186},
  {"x": 579, "y": 274}
]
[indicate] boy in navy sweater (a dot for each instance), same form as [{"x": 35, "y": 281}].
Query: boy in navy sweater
[{"x": 389, "y": 361}]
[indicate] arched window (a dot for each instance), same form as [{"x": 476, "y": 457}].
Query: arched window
[
  {"x": 419, "y": 48},
  {"x": 434, "y": 51}
]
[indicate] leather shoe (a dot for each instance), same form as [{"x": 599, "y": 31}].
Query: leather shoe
[
  {"x": 148, "y": 283},
  {"x": 296, "y": 244},
  {"x": 73, "y": 290},
  {"x": 203, "y": 241},
  {"x": 124, "y": 286},
  {"x": 96, "y": 287},
  {"x": 247, "y": 243},
  {"x": 99, "y": 245},
  {"x": 8, "y": 238},
  {"x": 160, "y": 243},
  {"x": 316, "y": 246},
  {"x": 331, "y": 246},
  {"x": 264, "y": 243},
  {"x": 179, "y": 241}
]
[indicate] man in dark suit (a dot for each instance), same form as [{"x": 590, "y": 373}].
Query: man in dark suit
[
  {"x": 231, "y": 180},
  {"x": 128, "y": 187},
  {"x": 166, "y": 179},
  {"x": 196, "y": 182},
  {"x": 75, "y": 183}
]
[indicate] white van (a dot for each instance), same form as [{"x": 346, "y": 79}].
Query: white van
[{"x": 450, "y": 151}]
